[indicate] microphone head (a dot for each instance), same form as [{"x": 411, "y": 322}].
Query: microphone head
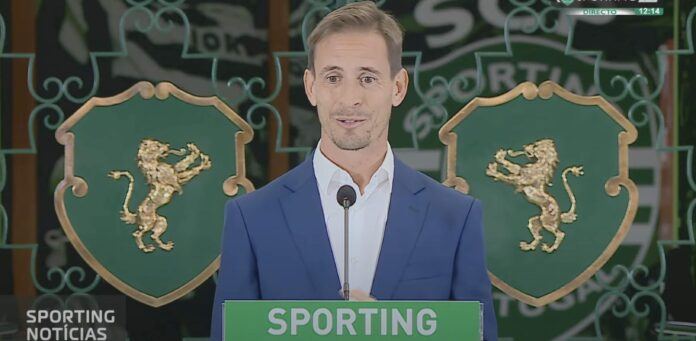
[{"x": 346, "y": 196}]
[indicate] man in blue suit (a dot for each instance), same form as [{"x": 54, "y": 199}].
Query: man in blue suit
[{"x": 411, "y": 238}]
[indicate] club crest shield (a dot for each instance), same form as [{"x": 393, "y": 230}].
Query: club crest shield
[
  {"x": 551, "y": 169},
  {"x": 147, "y": 175}
]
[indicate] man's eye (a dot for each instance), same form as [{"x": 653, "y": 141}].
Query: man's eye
[
  {"x": 332, "y": 79},
  {"x": 369, "y": 79}
]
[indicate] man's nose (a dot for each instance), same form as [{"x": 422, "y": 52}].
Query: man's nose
[{"x": 352, "y": 95}]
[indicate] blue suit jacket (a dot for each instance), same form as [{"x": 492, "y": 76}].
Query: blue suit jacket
[{"x": 275, "y": 246}]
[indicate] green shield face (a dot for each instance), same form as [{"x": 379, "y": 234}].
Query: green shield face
[
  {"x": 567, "y": 2},
  {"x": 150, "y": 171},
  {"x": 551, "y": 169}
]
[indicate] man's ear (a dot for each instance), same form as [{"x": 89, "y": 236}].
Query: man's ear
[
  {"x": 400, "y": 86},
  {"x": 309, "y": 86}
]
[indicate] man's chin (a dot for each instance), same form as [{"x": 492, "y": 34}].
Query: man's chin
[
  {"x": 351, "y": 145},
  {"x": 351, "y": 148}
]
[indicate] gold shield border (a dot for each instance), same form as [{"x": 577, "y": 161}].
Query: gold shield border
[
  {"x": 612, "y": 187},
  {"x": 80, "y": 187}
]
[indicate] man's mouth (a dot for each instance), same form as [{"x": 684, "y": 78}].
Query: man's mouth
[{"x": 350, "y": 122}]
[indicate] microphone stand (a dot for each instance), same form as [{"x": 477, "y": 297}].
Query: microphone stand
[
  {"x": 346, "y": 198},
  {"x": 346, "y": 254}
]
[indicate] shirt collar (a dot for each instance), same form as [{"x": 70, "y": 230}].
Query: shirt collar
[{"x": 328, "y": 172}]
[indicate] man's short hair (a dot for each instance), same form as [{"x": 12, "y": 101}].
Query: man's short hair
[{"x": 360, "y": 16}]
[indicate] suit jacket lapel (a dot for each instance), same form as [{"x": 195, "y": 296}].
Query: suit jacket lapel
[
  {"x": 405, "y": 219},
  {"x": 305, "y": 219}
]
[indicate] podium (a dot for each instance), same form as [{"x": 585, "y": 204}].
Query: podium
[{"x": 352, "y": 320}]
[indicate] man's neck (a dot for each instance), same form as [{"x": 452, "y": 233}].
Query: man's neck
[{"x": 360, "y": 164}]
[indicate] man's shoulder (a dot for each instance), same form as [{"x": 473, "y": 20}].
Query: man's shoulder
[
  {"x": 269, "y": 193},
  {"x": 446, "y": 198},
  {"x": 450, "y": 206}
]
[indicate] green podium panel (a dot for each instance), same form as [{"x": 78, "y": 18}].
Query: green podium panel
[{"x": 329, "y": 320}]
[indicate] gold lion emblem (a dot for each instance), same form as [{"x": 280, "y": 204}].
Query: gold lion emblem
[
  {"x": 163, "y": 180},
  {"x": 531, "y": 179}
]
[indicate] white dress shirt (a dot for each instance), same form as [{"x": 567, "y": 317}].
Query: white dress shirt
[{"x": 367, "y": 217}]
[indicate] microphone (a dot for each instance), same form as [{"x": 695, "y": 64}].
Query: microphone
[{"x": 346, "y": 198}]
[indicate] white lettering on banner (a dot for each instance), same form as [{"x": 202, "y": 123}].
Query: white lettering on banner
[
  {"x": 431, "y": 322},
  {"x": 315, "y": 321},
  {"x": 368, "y": 318},
  {"x": 272, "y": 318},
  {"x": 300, "y": 317},
  {"x": 398, "y": 320},
  {"x": 344, "y": 321}
]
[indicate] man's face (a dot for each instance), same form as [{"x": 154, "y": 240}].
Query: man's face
[{"x": 352, "y": 88}]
